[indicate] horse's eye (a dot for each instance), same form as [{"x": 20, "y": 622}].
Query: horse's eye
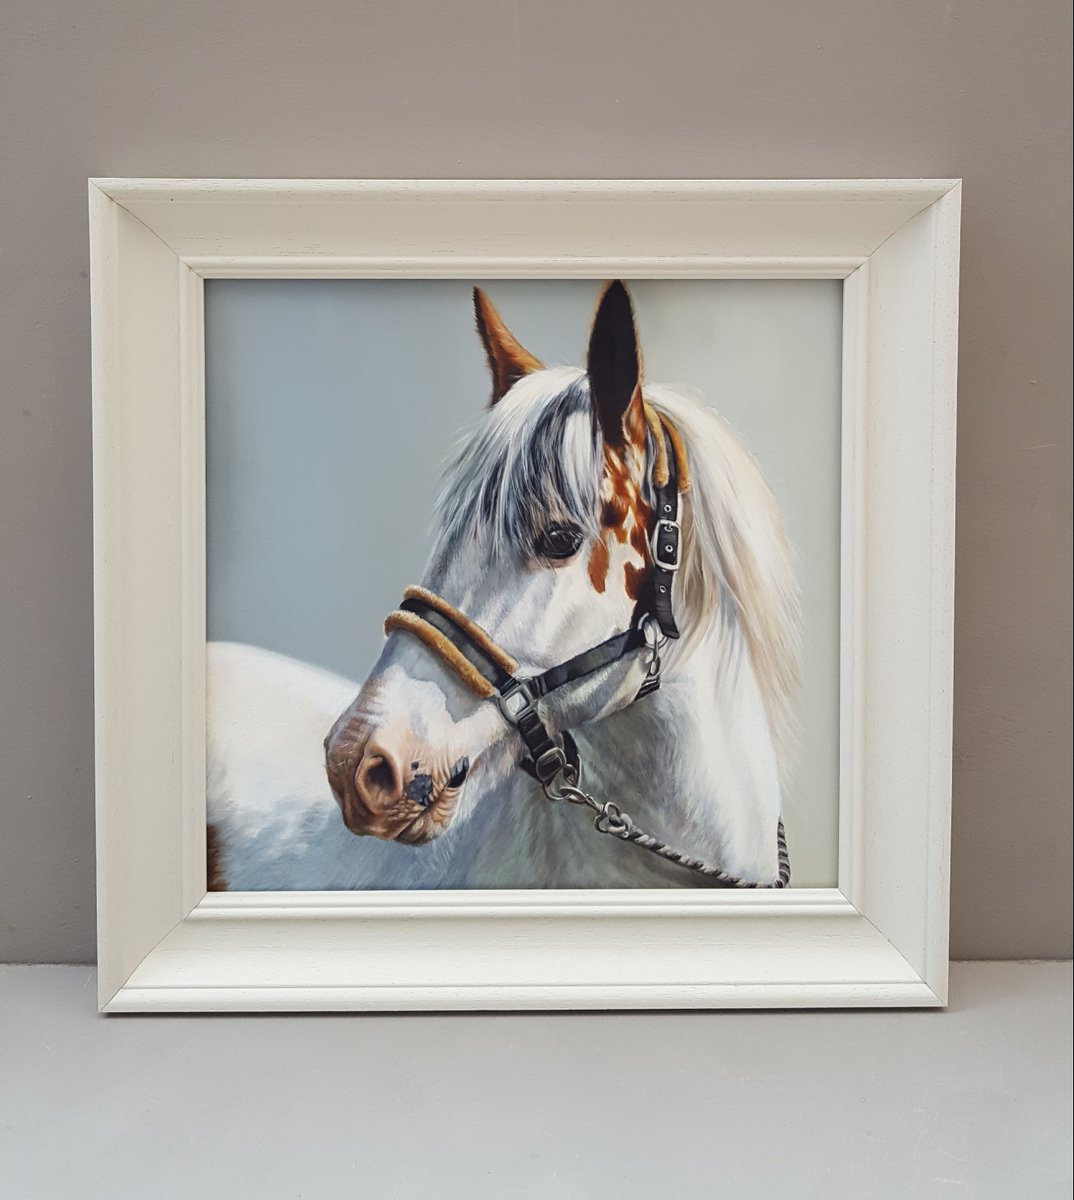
[{"x": 558, "y": 541}]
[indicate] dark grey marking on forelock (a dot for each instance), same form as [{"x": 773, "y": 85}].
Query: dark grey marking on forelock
[{"x": 526, "y": 465}]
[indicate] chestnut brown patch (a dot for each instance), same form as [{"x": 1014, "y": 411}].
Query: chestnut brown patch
[
  {"x": 625, "y": 512},
  {"x": 634, "y": 579},
  {"x": 214, "y": 879},
  {"x": 639, "y": 539},
  {"x": 508, "y": 359},
  {"x": 622, "y": 488},
  {"x": 634, "y": 423},
  {"x": 598, "y": 565},
  {"x": 612, "y": 513}
]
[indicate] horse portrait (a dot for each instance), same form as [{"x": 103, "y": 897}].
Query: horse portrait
[{"x": 591, "y": 685}]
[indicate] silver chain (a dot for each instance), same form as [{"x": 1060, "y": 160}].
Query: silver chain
[{"x": 611, "y": 819}]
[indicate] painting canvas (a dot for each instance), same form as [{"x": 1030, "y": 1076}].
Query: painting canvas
[{"x": 522, "y": 583}]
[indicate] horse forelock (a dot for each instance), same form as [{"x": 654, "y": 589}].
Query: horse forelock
[{"x": 535, "y": 458}]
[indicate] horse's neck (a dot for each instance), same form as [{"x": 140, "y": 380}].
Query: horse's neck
[
  {"x": 697, "y": 762},
  {"x": 693, "y": 764}
]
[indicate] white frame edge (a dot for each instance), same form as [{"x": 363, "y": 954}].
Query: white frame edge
[{"x": 879, "y": 938}]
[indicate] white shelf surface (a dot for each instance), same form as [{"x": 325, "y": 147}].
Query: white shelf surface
[{"x": 974, "y": 1102}]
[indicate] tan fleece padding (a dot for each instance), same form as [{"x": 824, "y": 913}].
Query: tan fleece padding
[
  {"x": 658, "y": 422},
  {"x": 660, "y": 464},
  {"x": 442, "y": 648},
  {"x": 500, "y": 657},
  {"x": 679, "y": 451}
]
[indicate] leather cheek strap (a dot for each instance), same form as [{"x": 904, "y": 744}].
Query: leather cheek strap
[{"x": 665, "y": 539}]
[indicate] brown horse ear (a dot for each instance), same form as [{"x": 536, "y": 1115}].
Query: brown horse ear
[
  {"x": 508, "y": 359},
  {"x": 614, "y": 365}
]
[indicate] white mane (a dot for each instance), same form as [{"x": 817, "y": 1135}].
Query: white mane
[{"x": 737, "y": 569}]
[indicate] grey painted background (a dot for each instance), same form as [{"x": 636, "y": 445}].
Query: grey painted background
[
  {"x": 749, "y": 88},
  {"x": 331, "y": 405}
]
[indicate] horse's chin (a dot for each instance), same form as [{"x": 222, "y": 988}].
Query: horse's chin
[
  {"x": 490, "y": 769},
  {"x": 434, "y": 822},
  {"x": 409, "y": 829}
]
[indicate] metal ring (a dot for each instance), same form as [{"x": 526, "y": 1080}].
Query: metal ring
[{"x": 611, "y": 819}]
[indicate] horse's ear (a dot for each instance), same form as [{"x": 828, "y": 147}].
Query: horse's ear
[
  {"x": 508, "y": 359},
  {"x": 614, "y": 365}
]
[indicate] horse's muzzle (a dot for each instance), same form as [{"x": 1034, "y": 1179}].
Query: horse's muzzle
[{"x": 385, "y": 789}]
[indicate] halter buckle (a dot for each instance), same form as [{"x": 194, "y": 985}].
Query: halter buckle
[
  {"x": 665, "y": 544},
  {"x": 515, "y": 701}
]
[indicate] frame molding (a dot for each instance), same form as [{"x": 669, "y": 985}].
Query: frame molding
[{"x": 879, "y": 938}]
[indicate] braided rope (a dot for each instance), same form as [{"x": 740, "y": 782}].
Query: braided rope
[{"x": 611, "y": 819}]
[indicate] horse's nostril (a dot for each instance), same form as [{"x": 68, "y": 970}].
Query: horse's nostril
[
  {"x": 458, "y": 773},
  {"x": 379, "y": 776},
  {"x": 378, "y": 781}
]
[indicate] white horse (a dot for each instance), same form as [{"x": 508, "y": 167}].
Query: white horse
[{"x": 542, "y": 542}]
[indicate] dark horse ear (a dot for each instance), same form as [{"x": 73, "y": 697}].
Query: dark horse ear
[
  {"x": 614, "y": 362},
  {"x": 508, "y": 359}
]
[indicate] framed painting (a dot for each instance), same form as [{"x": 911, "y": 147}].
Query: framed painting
[{"x": 523, "y": 594}]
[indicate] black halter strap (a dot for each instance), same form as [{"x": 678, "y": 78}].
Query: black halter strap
[
  {"x": 517, "y": 698},
  {"x": 665, "y": 544}
]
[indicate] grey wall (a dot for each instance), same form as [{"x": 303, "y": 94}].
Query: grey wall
[
  {"x": 332, "y": 404},
  {"x": 752, "y": 88}
]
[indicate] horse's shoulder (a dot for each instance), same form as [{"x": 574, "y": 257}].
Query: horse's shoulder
[
  {"x": 237, "y": 666},
  {"x": 267, "y": 718}
]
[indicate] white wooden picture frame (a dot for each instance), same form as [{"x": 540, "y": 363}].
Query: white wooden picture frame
[{"x": 878, "y": 938}]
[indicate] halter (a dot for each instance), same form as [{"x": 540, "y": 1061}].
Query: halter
[{"x": 491, "y": 673}]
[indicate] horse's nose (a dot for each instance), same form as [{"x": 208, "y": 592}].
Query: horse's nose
[{"x": 378, "y": 779}]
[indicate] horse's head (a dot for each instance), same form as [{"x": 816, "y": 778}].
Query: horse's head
[{"x": 543, "y": 544}]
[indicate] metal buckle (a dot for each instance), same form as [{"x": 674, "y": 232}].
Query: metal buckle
[
  {"x": 550, "y": 764},
  {"x": 671, "y": 547},
  {"x": 515, "y": 702}
]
